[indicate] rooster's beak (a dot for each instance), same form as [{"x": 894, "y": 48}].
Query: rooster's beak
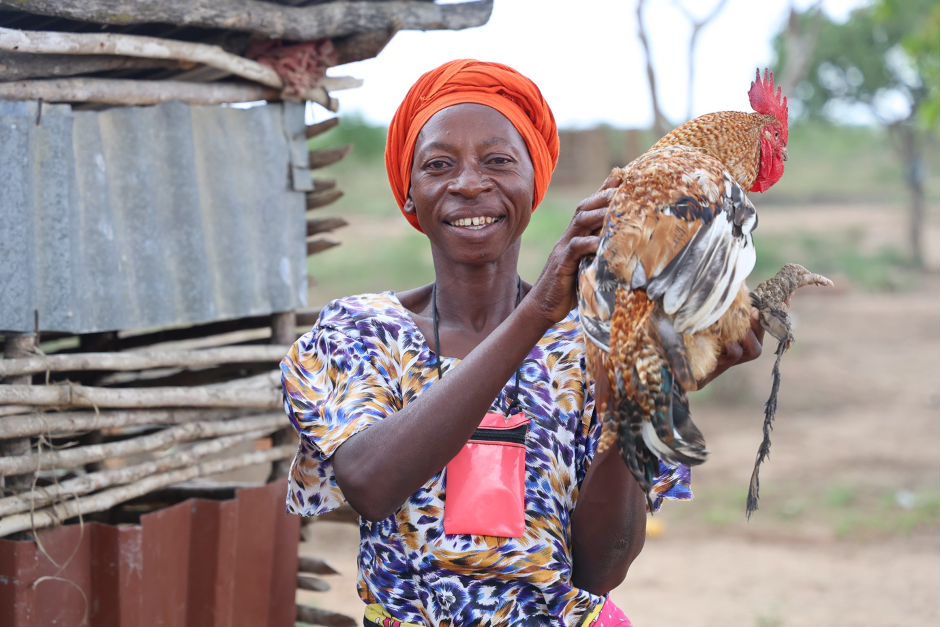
[{"x": 783, "y": 154}]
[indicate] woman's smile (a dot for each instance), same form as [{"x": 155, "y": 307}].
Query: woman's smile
[{"x": 476, "y": 223}]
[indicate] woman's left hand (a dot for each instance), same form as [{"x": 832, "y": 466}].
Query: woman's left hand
[
  {"x": 555, "y": 289},
  {"x": 733, "y": 354}
]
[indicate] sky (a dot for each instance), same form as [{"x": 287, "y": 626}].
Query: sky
[{"x": 586, "y": 58}]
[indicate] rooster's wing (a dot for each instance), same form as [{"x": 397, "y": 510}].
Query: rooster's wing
[{"x": 675, "y": 248}]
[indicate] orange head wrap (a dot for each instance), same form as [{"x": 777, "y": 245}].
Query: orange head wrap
[{"x": 468, "y": 81}]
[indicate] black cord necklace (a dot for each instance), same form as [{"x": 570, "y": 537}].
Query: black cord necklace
[{"x": 514, "y": 402}]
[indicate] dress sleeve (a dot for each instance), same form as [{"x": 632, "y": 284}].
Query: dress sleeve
[{"x": 332, "y": 391}]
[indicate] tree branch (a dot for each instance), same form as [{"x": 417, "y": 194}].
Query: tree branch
[
  {"x": 333, "y": 19},
  {"x": 79, "y": 486},
  {"x": 81, "y": 455},
  {"x": 78, "y": 421},
  {"x": 659, "y": 120},
  {"x": 46, "y": 42},
  {"x": 109, "y": 498},
  {"x": 237, "y": 395},
  {"x": 142, "y": 360},
  {"x": 15, "y": 66}
]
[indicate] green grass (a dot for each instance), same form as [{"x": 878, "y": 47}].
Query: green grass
[
  {"x": 847, "y": 164},
  {"x": 836, "y": 254},
  {"x": 849, "y": 511}
]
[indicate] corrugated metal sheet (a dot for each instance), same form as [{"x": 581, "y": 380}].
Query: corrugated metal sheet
[
  {"x": 197, "y": 564},
  {"x": 139, "y": 217}
]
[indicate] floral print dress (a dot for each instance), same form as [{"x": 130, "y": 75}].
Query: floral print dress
[{"x": 364, "y": 360}]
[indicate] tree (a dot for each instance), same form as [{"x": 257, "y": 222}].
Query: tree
[{"x": 883, "y": 59}]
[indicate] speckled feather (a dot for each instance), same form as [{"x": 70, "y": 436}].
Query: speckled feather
[
  {"x": 729, "y": 136},
  {"x": 675, "y": 249}
]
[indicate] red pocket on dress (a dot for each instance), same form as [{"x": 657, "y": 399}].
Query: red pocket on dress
[{"x": 485, "y": 482}]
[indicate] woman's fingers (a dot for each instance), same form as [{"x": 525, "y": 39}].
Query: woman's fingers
[
  {"x": 588, "y": 221},
  {"x": 579, "y": 246},
  {"x": 597, "y": 200}
]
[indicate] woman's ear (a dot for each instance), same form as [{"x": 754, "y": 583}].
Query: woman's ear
[{"x": 409, "y": 206}]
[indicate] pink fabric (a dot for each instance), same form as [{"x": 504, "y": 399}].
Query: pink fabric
[{"x": 611, "y": 616}]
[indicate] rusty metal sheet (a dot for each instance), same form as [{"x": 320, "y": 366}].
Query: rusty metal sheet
[
  {"x": 212, "y": 561},
  {"x": 196, "y": 564},
  {"x": 17, "y": 573}
]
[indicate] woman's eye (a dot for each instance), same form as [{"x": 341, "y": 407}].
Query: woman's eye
[
  {"x": 500, "y": 161},
  {"x": 436, "y": 164}
]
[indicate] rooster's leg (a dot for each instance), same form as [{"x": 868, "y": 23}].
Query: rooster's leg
[{"x": 772, "y": 298}]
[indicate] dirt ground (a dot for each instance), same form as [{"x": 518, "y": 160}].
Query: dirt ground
[{"x": 847, "y": 532}]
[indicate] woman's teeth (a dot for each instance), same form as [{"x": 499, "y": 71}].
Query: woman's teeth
[{"x": 475, "y": 223}]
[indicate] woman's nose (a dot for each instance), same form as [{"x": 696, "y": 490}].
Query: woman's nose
[{"x": 470, "y": 181}]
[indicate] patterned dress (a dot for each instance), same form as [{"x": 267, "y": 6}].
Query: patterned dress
[{"x": 364, "y": 360}]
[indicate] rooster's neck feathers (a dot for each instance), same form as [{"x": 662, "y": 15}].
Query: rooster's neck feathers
[{"x": 732, "y": 137}]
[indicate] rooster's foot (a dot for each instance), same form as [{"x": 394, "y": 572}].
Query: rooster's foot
[{"x": 772, "y": 298}]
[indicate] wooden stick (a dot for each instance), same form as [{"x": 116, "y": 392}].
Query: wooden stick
[
  {"x": 317, "y": 616},
  {"x": 339, "y": 83},
  {"x": 315, "y": 565},
  {"x": 40, "y": 497},
  {"x": 80, "y": 455},
  {"x": 101, "y": 501},
  {"x": 334, "y": 19},
  {"x": 17, "y": 66},
  {"x": 318, "y": 199},
  {"x": 362, "y": 45},
  {"x": 13, "y": 348},
  {"x": 133, "y": 92},
  {"x": 319, "y": 245},
  {"x": 324, "y": 184},
  {"x": 81, "y": 396},
  {"x": 323, "y": 225},
  {"x": 78, "y": 421},
  {"x": 321, "y": 127},
  {"x": 141, "y": 360},
  {"x": 328, "y": 156},
  {"x": 13, "y": 410},
  {"x": 46, "y": 42},
  {"x": 312, "y": 583}
]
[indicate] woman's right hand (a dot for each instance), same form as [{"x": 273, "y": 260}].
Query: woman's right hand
[{"x": 554, "y": 292}]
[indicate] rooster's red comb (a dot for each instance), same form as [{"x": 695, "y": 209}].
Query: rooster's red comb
[{"x": 765, "y": 100}]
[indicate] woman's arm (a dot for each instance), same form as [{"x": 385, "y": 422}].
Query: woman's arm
[
  {"x": 379, "y": 468},
  {"x": 609, "y": 524}
]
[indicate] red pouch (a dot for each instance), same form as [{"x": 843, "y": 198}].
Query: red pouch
[{"x": 485, "y": 482}]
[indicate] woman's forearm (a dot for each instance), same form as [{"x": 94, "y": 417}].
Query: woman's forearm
[
  {"x": 608, "y": 526},
  {"x": 380, "y": 467}
]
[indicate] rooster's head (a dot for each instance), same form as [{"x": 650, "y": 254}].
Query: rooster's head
[{"x": 768, "y": 103}]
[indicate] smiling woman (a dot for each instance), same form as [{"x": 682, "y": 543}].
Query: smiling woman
[{"x": 471, "y": 457}]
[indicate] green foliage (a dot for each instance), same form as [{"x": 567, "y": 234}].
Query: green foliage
[
  {"x": 921, "y": 43},
  {"x": 891, "y": 47}
]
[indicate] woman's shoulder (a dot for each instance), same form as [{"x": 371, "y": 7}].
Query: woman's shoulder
[
  {"x": 566, "y": 330},
  {"x": 349, "y": 312}
]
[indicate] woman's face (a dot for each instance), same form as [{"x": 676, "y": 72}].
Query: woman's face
[{"x": 472, "y": 183}]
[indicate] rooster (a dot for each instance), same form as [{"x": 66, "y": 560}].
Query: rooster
[{"x": 666, "y": 289}]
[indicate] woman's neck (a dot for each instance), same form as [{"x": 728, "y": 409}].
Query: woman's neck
[
  {"x": 475, "y": 299},
  {"x": 471, "y": 301}
]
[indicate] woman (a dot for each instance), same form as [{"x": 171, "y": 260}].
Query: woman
[{"x": 388, "y": 388}]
